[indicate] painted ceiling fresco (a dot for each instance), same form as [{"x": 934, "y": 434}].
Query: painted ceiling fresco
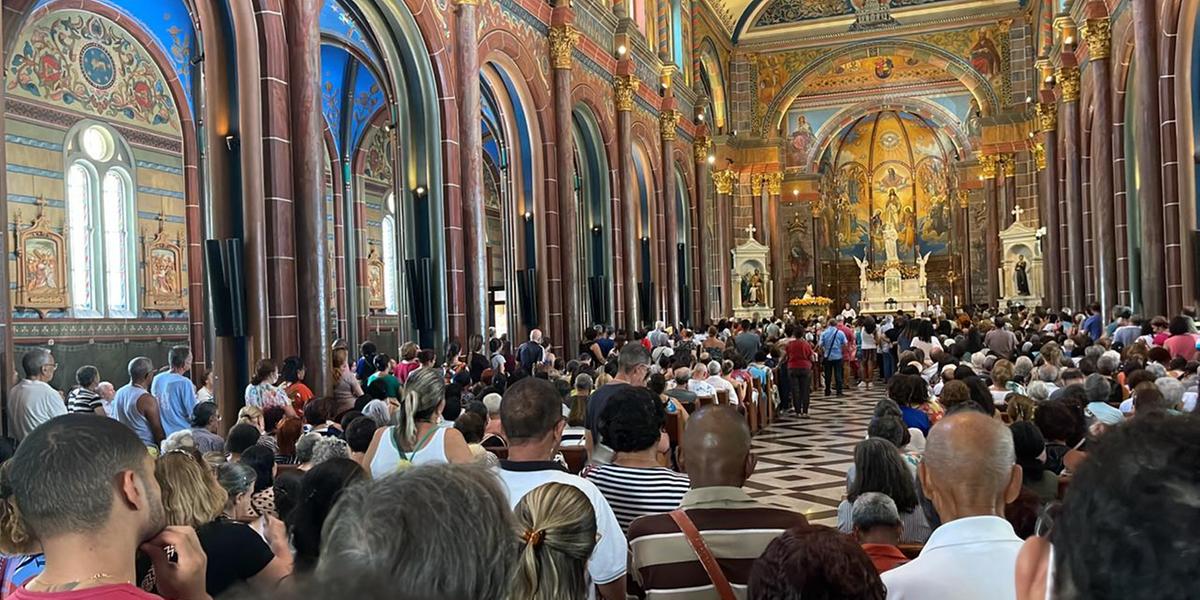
[
  {"x": 857, "y": 74},
  {"x": 351, "y": 93},
  {"x": 780, "y": 12}
]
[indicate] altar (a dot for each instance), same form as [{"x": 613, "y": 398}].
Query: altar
[
  {"x": 753, "y": 296},
  {"x": 1021, "y": 271},
  {"x": 895, "y": 286}
]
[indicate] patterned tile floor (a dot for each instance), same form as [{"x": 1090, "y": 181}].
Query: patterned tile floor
[{"x": 802, "y": 463}]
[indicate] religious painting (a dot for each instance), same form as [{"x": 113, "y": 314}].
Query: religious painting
[
  {"x": 893, "y": 216},
  {"x": 984, "y": 56},
  {"x": 798, "y": 247},
  {"x": 884, "y": 67},
  {"x": 848, "y": 213},
  {"x": 162, "y": 268},
  {"x": 934, "y": 212},
  {"x": 90, "y": 64},
  {"x": 375, "y": 281},
  {"x": 41, "y": 260},
  {"x": 800, "y": 143}
]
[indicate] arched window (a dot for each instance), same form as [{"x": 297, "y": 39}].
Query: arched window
[
  {"x": 100, "y": 206},
  {"x": 390, "y": 268}
]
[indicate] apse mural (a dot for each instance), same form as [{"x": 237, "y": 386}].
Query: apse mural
[
  {"x": 886, "y": 172},
  {"x": 797, "y": 247}
]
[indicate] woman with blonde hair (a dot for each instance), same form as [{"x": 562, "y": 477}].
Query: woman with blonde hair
[
  {"x": 346, "y": 388},
  {"x": 557, "y": 525},
  {"x": 416, "y": 436}
]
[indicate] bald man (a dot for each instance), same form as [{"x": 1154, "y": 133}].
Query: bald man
[
  {"x": 969, "y": 473},
  {"x": 735, "y": 527}
]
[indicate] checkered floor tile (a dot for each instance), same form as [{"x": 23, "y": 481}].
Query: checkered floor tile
[{"x": 802, "y": 462}]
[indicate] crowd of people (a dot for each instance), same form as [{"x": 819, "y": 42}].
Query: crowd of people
[{"x": 1018, "y": 454}]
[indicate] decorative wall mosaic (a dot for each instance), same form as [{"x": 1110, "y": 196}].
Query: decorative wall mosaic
[{"x": 91, "y": 65}]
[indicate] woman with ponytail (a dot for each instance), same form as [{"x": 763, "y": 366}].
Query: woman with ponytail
[
  {"x": 415, "y": 436},
  {"x": 557, "y": 526}
]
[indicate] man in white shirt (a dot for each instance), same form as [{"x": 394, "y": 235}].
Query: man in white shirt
[
  {"x": 719, "y": 383},
  {"x": 698, "y": 384},
  {"x": 32, "y": 401},
  {"x": 533, "y": 425},
  {"x": 969, "y": 473}
]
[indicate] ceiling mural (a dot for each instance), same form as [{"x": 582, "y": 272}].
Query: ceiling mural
[
  {"x": 859, "y": 73},
  {"x": 91, "y": 65},
  {"x": 781, "y": 12}
]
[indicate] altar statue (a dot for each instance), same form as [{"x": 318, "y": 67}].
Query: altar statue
[
  {"x": 1022, "y": 278},
  {"x": 921, "y": 273},
  {"x": 753, "y": 289},
  {"x": 890, "y": 230},
  {"x": 808, "y": 291}
]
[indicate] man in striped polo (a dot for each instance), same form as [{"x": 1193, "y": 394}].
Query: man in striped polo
[{"x": 734, "y": 527}]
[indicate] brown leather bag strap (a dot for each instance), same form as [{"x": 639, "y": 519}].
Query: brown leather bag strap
[{"x": 720, "y": 582}]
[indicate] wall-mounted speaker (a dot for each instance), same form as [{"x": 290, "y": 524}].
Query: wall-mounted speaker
[
  {"x": 420, "y": 292},
  {"x": 226, "y": 286},
  {"x": 646, "y": 301},
  {"x": 598, "y": 299},
  {"x": 527, "y": 297}
]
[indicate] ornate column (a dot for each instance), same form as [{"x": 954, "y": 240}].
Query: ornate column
[
  {"x": 625, "y": 86},
  {"x": 1149, "y": 156},
  {"x": 816, "y": 256},
  {"x": 308, "y": 163},
  {"x": 668, "y": 123},
  {"x": 700, "y": 308},
  {"x": 466, "y": 48},
  {"x": 989, "y": 165},
  {"x": 723, "y": 181},
  {"x": 6, "y": 346},
  {"x": 1068, "y": 80},
  {"x": 756, "y": 205},
  {"x": 1047, "y": 164},
  {"x": 1007, "y": 216},
  {"x": 563, "y": 38},
  {"x": 964, "y": 243},
  {"x": 1096, "y": 33},
  {"x": 773, "y": 233}
]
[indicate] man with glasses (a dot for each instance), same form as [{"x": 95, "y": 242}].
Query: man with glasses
[
  {"x": 633, "y": 369},
  {"x": 32, "y": 401}
]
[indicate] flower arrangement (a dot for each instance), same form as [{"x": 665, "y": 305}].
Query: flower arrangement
[{"x": 813, "y": 301}]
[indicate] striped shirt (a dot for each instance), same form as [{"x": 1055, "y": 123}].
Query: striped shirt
[
  {"x": 735, "y": 527},
  {"x": 83, "y": 400},
  {"x": 638, "y": 491}
]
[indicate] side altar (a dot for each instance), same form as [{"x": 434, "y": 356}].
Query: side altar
[
  {"x": 895, "y": 286},
  {"x": 1021, "y": 271},
  {"x": 753, "y": 293}
]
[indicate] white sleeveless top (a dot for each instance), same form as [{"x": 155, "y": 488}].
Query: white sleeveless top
[{"x": 387, "y": 455}]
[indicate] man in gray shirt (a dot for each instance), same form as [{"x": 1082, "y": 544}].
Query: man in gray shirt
[
  {"x": 32, "y": 401},
  {"x": 747, "y": 341}
]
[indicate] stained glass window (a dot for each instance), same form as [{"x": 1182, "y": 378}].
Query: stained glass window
[
  {"x": 390, "y": 268},
  {"x": 79, "y": 236},
  {"x": 116, "y": 274}
]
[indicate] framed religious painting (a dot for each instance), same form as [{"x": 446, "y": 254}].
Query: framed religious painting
[
  {"x": 163, "y": 271},
  {"x": 375, "y": 270},
  {"x": 41, "y": 264}
]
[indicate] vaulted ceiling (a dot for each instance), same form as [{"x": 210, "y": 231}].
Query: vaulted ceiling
[{"x": 774, "y": 20}]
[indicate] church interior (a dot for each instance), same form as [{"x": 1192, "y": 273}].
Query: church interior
[{"x": 259, "y": 179}]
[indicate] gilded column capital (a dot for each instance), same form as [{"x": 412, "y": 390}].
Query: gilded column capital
[
  {"x": 562, "y": 46},
  {"x": 1098, "y": 35},
  {"x": 723, "y": 180},
  {"x": 1047, "y": 116},
  {"x": 816, "y": 209},
  {"x": 964, "y": 198},
  {"x": 666, "y": 74},
  {"x": 756, "y": 182},
  {"x": 668, "y": 122},
  {"x": 988, "y": 164},
  {"x": 1039, "y": 156},
  {"x": 1068, "y": 79},
  {"x": 775, "y": 183},
  {"x": 625, "y": 86},
  {"x": 700, "y": 148},
  {"x": 1010, "y": 165}
]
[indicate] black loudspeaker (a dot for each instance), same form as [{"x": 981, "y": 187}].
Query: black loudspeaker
[
  {"x": 646, "y": 301},
  {"x": 598, "y": 299},
  {"x": 226, "y": 286},
  {"x": 420, "y": 292},
  {"x": 527, "y": 297},
  {"x": 685, "y": 305}
]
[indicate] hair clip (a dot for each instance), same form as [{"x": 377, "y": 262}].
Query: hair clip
[{"x": 533, "y": 538}]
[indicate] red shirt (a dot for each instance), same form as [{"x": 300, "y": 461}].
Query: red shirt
[
  {"x": 1181, "y": 345},
  {"x": 885, "y": 557},
  {"x": 121, "y": 591},
  {"x": 799, "y": 354},
  {"x": 849, "y": 349}
]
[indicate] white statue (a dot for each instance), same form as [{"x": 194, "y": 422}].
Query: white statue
[
  {"x": 808, "y": 291},
  {"x": 921, "y": 260},
  {"x": 891, "y": 235},
  {"x": 862, "y": 273}
]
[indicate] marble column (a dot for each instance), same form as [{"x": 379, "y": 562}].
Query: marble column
[
  {"x": 625, "y": 86},
  {"x": 774, "y": 234},
  {"x": 563, "y": 38},
  {"x": 1047, "y": 164},
  {"x": 701, "y": 309},
  {"x": 1097, "y": 34},
  {"x": 308, "y": 164},
  {"x": 1068, "y": 80},
  {"x": 723, "y": 182},
  {"x": 989, "y": 167},
  {"x": 1149, "y": 157},
  {"x": 964, "y": 243},
  {"x": 668, "y": 123},
  {"x": 466, "y": 49},
  {"x": 1007, "y": 217}
]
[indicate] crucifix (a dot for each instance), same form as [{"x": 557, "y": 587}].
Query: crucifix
[
  {"x": 750, "y": 231},
  {"x": 1017, "y": 212}
]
